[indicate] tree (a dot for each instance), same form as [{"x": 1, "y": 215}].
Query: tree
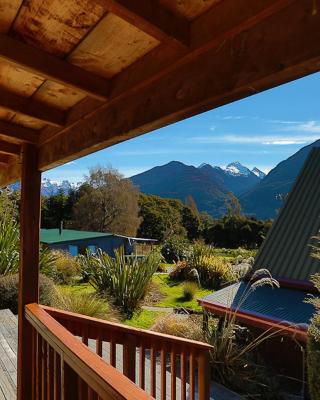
[
  {"x": 161, "y": 218},
  {"x": 57, "y": 209},
  {"x": 107, "y": 203},
  {"x": 232, "y": 205}
]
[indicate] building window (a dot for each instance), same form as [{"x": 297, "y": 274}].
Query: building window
[
  {"x": 73, "y": 250},
  {"x": 92, "y": 248}
]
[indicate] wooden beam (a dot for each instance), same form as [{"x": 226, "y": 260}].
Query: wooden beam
[
  {"x": 210, "y": 30},
  {"x": 254, "y": 60},
  {"x": 29, "y": 264},
  {"x": 164, "y": 58},
  {"x": 18, "y": 132},
  {"x": 4, "y": 158},
  {"x": 9, "y": 148},
  {"x": 31, "y": 107},
  {"x": 152, "y": 18},
  {"x": 10, "y": 172},
  {"x": 49, "y": 67}
]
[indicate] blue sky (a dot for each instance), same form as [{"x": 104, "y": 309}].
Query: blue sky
[{"x": 259, "y": 131}]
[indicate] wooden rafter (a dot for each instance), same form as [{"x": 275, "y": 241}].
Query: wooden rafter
[
  {"x": 242, "y": 66},
  {"x": 9, "y": 148},
  {"x": 32, "y": 108},
  {"x": 208, "y": 31},
  {"x": 52, "y": 68},
  {"x": 4, "y": 158},
  {"x": 152, "y": 18},
  {"x": 18, "y": 132}
]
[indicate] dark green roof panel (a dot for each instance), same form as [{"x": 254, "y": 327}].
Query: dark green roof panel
[
  {"x": 286, "y": 250},
  {"x": 51, "y": 236}
]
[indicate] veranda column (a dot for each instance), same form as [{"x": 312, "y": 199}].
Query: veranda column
[{"x": 29, "y": 262}]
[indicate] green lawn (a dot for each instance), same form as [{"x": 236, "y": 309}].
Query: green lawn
[
  {"x": 145, "y": 319},
  {"x": 78, "y": 288},
  {"x": 173, "y": 292}
]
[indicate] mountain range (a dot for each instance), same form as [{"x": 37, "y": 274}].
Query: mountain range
[{"x": 208, "y": 185}]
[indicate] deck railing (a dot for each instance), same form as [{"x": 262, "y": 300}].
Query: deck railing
[
  {"x": 164, "y": 366},
  {"x": 63, "y": 368}
]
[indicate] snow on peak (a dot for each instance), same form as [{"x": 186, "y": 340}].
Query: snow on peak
[
  {"x": 260, "y": 174},
  {"x": 236, "y": 168}
]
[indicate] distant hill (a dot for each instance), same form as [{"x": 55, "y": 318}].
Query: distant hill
[
  {"x": 207, "y": 184},
  {"x": 261, "y": 200}
]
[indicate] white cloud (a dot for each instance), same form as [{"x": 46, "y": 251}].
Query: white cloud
[
  {"x": 70, "y": 163},
  {"x": 310, "y": 126},
  {"x": 212, "y": 128},
  {"x": 262, "y": 140}
]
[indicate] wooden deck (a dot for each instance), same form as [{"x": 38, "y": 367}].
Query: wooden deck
[{"x": 8, "y": 362}]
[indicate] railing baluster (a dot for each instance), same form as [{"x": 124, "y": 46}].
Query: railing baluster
[
  {"x": 50, "y": 372},
  {"x": 142, "y": 359},
  {"x": 153, "y": 372},
  {"x": 183, "y": 375},
  {"x": 43, "y": 369},
  {"x": 113, "y": 353},
  {"x": 38, "y": 366},
  {"x": 34, "y": 362},
  {"x": 57, "y": 376},
  {"x": 173, "y": 375},
  {"x": 70, "y": 383},
  {"x": 129, "y": 358},
  {"x": 203, "y": 376},
  {"x": 99, "y": 347},
  {"x": 191, "y": 376},
  {"x": 163, "y": 362}
]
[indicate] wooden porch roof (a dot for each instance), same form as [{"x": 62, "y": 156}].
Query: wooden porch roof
[{"x": 77, "y": 76}]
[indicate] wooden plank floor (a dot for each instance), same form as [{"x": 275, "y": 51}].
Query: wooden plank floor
[
  {"x": 8, "y": 355},
  {"x": 8, "y": 363}
]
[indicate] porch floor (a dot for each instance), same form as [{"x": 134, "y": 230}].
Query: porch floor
[{"x": 8, "y": 362}]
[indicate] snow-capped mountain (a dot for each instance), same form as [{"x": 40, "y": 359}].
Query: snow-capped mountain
[
  {"x": 260, "y": 174},
  {"x": 50, "y": 187},
  {"x": 236, "y": 168}
]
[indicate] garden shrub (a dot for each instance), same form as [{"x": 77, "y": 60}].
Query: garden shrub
[
  {"x": 9, "y": 291},
  {"x": 81, "y": 303},
  {"x": 208, "y": 270},
  {"x": 125, "y": 279},
  {"x": 179, "y": 325},
  {"x": 189, "y": 290},
  {"x": 65, "y": 269},
  {"x": 175, "y": 249}
]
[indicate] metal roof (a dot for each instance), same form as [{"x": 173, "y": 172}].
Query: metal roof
[
  {"x": 51, "y": 236},
  {"x": 279, "y": 305},
  {"x": 286, "y": 250}
]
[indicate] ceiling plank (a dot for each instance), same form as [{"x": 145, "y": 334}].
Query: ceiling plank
[
  {"x": 9, "y": 148},
  {"x": 18, "y": 132},
  {"x": 49, "y": 67},
  {"x": 10, "y": 173},
  {"x": 152, "y": 18},
  {"x": 254, "y": 60},
  {"x": 161, "y": 60},
  {"x": 5, "y": 158},
  {"x": 32, "y": 108}
]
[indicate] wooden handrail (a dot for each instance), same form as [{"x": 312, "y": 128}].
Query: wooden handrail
[
  {"x": 188, "y": 359},
  {"x": 67, "y": 318},
  {"x": 105, "y": 380}
]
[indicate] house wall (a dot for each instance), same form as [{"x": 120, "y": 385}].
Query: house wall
[{"x": 107, "y": 244}]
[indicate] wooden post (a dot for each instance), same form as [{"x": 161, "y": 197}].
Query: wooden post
[
  {"x": 29, "y": 263},
  {"x": 204, "y": 376}
]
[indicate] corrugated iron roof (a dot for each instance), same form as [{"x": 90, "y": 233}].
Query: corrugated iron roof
[
  {"x": 50, "y": 236},
  {"x": 286, "y": 250},
  {"x": 280, "y": 305}
]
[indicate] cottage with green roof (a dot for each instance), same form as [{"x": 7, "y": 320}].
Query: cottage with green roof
[{"x": 77, "y": 242}]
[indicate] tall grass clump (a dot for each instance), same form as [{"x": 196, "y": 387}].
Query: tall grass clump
[
  {"x": 125, "y": 279},
  {"x": 313, "y": 344},
  {"x": 81, "y": 303},
  {"x": 235, "y": 359}
]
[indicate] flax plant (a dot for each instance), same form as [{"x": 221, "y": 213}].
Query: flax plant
[{"x": 125, "y": 279}]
